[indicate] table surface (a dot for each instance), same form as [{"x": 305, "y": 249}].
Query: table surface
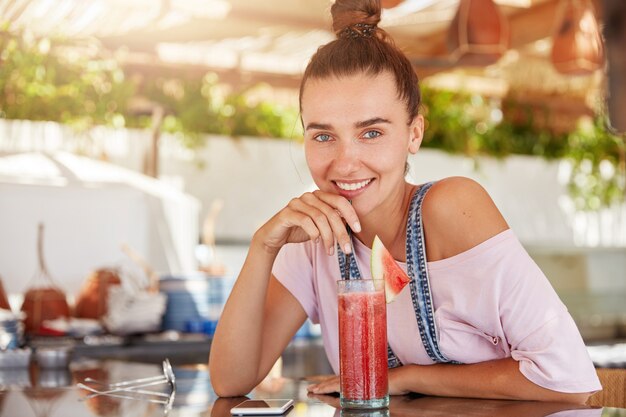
[{"x": 53, "y": 392}]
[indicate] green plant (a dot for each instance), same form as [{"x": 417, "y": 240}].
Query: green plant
[
  {"x": 38, "y": 84},
  {"x": 598, "y": 175},
  {"x": 463, "y": 123},
  {"x": 257, "y": 119},
  {"x": 450, "y": 125},
  {"x": 459, "y": 123},
  {"x": 43, "y": 79}
]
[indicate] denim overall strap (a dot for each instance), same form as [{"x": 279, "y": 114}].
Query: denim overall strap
[
  {"x": 417, "y": 271},
  {"x": 355, "y": 273},
  {"x": 392, "y": 359}
]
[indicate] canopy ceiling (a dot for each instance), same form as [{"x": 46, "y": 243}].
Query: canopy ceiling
[{"x": 247, "y": 41}]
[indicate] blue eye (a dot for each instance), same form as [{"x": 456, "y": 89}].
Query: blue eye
[
  {"x": 323, "y": 137},
  {"x": 371, "y": 134}
]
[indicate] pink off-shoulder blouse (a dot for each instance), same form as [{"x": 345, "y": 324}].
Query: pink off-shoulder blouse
[{"x": 491, "y": 301}]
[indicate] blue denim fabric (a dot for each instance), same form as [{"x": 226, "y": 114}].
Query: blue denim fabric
[{"x": 420, "y": 284}]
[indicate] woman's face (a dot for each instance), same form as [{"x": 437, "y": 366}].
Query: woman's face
[{"x": 357, "y": 138}]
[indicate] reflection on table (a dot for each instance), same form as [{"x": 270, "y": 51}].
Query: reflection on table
[{"x": 53, "y": 392}]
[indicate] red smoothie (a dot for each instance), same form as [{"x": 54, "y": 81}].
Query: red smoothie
[{"x": 363, "y": 345}]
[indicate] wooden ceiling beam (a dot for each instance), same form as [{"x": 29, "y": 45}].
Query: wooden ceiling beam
[
  {"x": 240, "y": 22},
  {"x": 239, "y": 79}
]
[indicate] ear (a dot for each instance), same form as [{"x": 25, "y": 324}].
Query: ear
[{"x": 416, "y": 131}]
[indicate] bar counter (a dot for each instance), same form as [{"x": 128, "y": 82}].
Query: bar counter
[{"x": 53, "y": 392}]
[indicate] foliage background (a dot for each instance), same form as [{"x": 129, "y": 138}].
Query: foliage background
[{"x": 43, "y": 79}]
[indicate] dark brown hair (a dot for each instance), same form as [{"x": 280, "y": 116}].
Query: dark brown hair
[{"x": 362, "y": 47}]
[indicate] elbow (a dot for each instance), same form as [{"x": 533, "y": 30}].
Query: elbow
[
  {"x": 224, "y": 390},
  {"x": 576, "y": 398},
  {"x": 227, "y": 384},
  {"x": 579, "y": 398}
]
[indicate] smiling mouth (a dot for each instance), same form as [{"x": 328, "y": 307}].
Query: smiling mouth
[{"x": 352, "y": 186}]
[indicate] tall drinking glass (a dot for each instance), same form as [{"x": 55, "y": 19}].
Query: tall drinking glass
[{"x": 363, "y": 343}]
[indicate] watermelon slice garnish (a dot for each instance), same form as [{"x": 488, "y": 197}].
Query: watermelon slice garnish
[{"x": 385, "y": 267}]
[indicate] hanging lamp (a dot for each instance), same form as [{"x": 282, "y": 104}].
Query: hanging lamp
[
  {"x": 577, "y": 47},
  {"x": 479, "y": 33},
  {"x": 388, "y": 4}
]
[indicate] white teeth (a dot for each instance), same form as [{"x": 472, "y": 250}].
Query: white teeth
[{"x": 353, "y": 186}]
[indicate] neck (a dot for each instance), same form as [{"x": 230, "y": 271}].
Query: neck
[{"x": 389, "y": 222}]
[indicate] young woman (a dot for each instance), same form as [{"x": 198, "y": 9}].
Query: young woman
[{"x": 496, "y": 328}]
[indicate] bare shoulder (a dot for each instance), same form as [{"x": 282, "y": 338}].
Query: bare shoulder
[{"x": 458, "y": 214}]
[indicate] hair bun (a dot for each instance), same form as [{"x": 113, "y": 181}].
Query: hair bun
[{"x": 349, "y": 13}]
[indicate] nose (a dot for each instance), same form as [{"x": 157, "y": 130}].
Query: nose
[{"x": 346, "y": 159}]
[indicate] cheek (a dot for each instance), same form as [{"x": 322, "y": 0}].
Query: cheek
[
  {"x": 316, "y": 164},
  {"x": 391, "y": 159},
  {"x": 312, "y": 159}
]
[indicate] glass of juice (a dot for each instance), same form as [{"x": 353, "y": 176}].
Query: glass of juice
[{"x": 363, "y": 343}]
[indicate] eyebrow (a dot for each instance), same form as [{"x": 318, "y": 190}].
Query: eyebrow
[
  {"x": 359, "y": 125},
  {"x": 372, "y": 121},
  {"x": 318, "y": 126}
]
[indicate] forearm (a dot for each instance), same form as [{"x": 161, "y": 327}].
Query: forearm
[
  {"x": 235, "y": 371},
  {"x": 500, "y": 379}
]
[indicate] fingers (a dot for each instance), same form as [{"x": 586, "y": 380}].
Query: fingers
[
  {"x": 329, "y": 220},
  {"x": 337, "y": 209},
  {"x": 320, "y": 215},
  {"x": 310, "y": 214},
  {"x": 331, "y": 400},
  {"x": 327, "y": 386},
  {"x": 327, "y": 213},
  {"x": 303, "y": 221},
  {"x": 343, "y": 206}
]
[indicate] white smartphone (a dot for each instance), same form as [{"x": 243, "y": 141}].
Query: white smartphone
[{"x": 260, "y": 407}]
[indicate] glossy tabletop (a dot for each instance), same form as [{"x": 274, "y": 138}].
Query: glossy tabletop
[{"x": 53, "y": 392}]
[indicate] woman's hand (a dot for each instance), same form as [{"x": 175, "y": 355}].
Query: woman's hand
[
  {"x": 326, "y": 386},
  {"x": 331, "y": 384},
  {"x": 312, "y": 216},
  {"x": 331, "y": 400}
]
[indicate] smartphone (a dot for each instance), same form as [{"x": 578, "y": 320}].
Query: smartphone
[{"x": 259, "y": 407}]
